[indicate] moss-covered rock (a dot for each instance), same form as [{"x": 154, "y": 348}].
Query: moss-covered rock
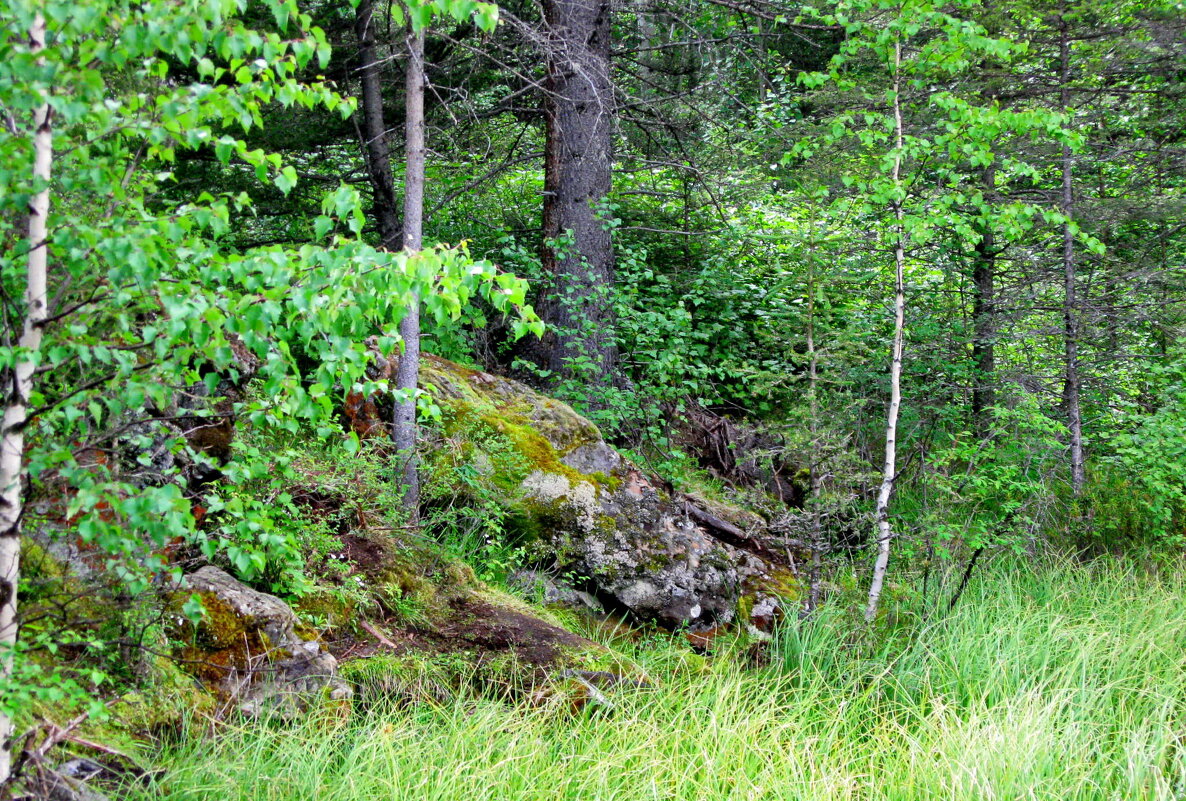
[
  {"x": 676, "y": 559},
  {"x": 249, "y": 646}
]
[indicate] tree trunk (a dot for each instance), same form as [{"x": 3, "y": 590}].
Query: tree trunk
[
  {"x": 579, "y": 111},
  {"x": 1070, "y": 313},
  {"x": 12, "y": 436},
  {"x": 884, "y": 530},
  {"x": 392, "y": 234},
  {"x": 811, "y": 602},
  {"x": 374, "y": 130},
  {"x": 409, "y": 328},
  {"x": 984, "y": 330}
]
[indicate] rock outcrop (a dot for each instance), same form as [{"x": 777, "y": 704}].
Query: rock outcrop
[
  {"x": 667, "y": 557},
  {"x": 249, "y": 647}
]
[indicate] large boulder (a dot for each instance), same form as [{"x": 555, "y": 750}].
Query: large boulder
[
  {"x": 669, "y": 557},
  {"x": 250, "y": 647}
]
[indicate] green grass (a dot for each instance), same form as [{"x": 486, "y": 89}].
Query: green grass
[{"x": 1059, "y": 682}]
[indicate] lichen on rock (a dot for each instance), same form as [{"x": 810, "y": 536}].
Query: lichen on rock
[
  {"x": 248, "y": 647},
  {"x": 676, "y": 559}
]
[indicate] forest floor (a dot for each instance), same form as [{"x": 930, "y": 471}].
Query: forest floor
[{"x": 1057, "y": 681}]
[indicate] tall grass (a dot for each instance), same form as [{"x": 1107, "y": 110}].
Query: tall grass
[{"x": 1055, "y": 682}]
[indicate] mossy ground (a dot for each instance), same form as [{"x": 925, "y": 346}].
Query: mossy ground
[{"x": 1052, "y": 682}]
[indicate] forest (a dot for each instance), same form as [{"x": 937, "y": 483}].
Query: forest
[{"x": 593, "y": 400}]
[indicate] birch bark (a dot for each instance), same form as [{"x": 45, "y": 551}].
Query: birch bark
[
  {"x": 884, "y": 530},
  {"x": 20, "y": 384}
]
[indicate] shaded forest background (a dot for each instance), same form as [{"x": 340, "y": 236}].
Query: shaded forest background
[{"x": 732, "y": 258}]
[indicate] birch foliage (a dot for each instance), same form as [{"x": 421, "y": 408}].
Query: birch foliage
[{"x": 147, "y": 304}]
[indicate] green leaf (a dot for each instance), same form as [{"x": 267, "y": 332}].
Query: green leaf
[
  {"x": 193, "y": 609},
  {"x": 286, "y": 179}
]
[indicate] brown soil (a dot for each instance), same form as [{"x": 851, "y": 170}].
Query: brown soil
[
  {"x": 481, "y": 626},
  {"x": 322, "y": 505},
  {"x": 477, "y": 627},
  {"x": 368, "y": 556}
]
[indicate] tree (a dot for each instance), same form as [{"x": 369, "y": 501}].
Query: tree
[
  {"x": 923, "y": 152},
  {"x": 578, "y": 248},
  {"x": 1108, "y": 68},
  {"x": 408, "y": 375},
  {"x": 890, "y": 471},
  {"x": 1070, "y": 312},
  {"x": 132, "y": 302},
  {"x": 20, "y": 389},
  {"x": 374, "y": 129},
  {"x": 377, "y": 154}
]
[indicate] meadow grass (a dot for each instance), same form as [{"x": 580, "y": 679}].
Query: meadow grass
[{"x": 1056, "y": 681}]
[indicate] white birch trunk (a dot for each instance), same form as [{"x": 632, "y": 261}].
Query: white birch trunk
[
  {"x": 884, "y": 531},
  {"x": 12, "y": 436}
]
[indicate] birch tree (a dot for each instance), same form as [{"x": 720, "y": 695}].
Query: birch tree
[
  {"x": 890, "y": 467},
  {"x": 131, "y": 301},
  {"x": 924, "y": 148},
  {"x": 19, "y": 386}
]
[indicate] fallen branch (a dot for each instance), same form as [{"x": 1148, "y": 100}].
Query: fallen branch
[
  {"x": 378, "y": 635},
  {"x": 727, "y": 532}
]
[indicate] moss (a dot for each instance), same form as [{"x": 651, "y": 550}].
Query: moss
[
  {"x": 536, "y": 450},
  {"x": 745, "y": 606},
  {"x": 162, "y": 704},
  {"x": 166, "y": 702},
  {"x": 533, "y": 520},
  {"x": 417, "y": 569},
  {"x": 780, "y": 582},
  {"x": 407, "y": 678},
  {"x": 38, "y": 565},
  {"x": 220, "y": 642},
  {"x": 48, "y": 583},
  {"x": 522, "y": 524},
  {"x": 610, "y": 483},
  {"x": 220, "y": 626},
  {"x": 451, "y": 381},
  {"x": 459, "y": 574},
  {"x": 335, "y": 609},
  {"x": 541, "y": 429}
]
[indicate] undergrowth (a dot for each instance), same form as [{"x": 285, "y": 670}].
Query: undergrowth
[{"x": 1059, "y": 681}]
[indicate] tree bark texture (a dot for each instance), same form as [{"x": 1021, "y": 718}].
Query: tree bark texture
[
  {"x": 19, "y": 381},
  {"x": 374, "y": 130},
  {"x": 885, "y": 531},
  {"x": 408, "y": 376},
  {"x": 984, "y": 330},
  {"x": 578, "y": 248}
]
